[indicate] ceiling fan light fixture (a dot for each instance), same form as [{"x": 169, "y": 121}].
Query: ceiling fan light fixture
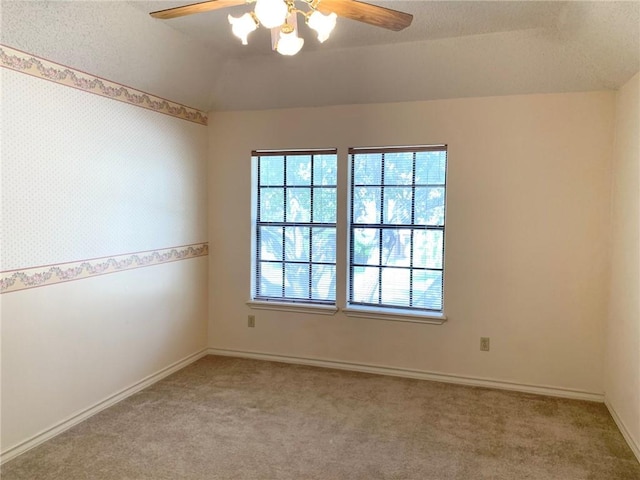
[
  {"x": 322, "y": 24},
  {"x": 289, "y": 43},
  {"x": 243, "y": 26},
  {"x": 271, "y": 13},
  {"x": 280, "y": 16}
]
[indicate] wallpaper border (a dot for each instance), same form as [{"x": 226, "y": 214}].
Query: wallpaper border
[
  {"x": 35, "y": 66},
  {"x": 32, "y": 277}
]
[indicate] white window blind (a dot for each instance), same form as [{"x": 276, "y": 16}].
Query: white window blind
[
  {"x": 396, "y": 227},
  {"x": 295, "y": 226}
]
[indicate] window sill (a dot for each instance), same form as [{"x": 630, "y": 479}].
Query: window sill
[
  {"x": 395, "y": 315},
  {"x": 293, "y": 307}
]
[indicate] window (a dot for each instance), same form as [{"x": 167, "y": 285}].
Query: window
[
  {"x": 396, "y": 227},
  {"x": 391, "y": 231},
  {"x": 295, "y": 226}
]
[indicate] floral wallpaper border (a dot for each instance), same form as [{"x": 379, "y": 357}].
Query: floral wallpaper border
[
  {"x": 23, "y": 62},
  {"x": 32, "y": 277}
]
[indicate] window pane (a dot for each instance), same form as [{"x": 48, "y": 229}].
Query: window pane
[
  {"x": 396, "y": 247},
  {"x": 270, "y": 281},
  {"x": 324, "y": 170},
  {"x": 366, "y": 246},
  {"x": 397, "y": 260},
  {"x": 364, "y": 284},
  {"x": 293, "y": 260},
  {"x": 272, "y": 171},
  {"x": 299, "y": 170},
  {"x": 324, "y": 205},
  {"x": 270, "y": 243},
  {"x": 431, "y": 168},
  {"x": 427, "y": 289},
  {"x": 323, "y": 284},
  {"x": 398, "y": 168},
  {"x": 324, "y": 245},
  {"x": 429, "y": 206},
  {"x": 397, "y": 205},
  {"x": 299, "y": 205},
  {"x": 366, "y": 205},
  {"x": 367, "y": 169},
  {"x": 297, "y": 244},
  {"x": 296, "y": 280},
  {"x": 428, "y": 248},
  {"x": 396, "y": 286},
  {"x": 271, "y": 204}
]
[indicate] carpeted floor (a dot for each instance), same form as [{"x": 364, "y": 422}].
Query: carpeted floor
[{"x": 228, "y": 418}]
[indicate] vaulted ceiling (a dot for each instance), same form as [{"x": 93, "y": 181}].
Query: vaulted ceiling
[{"x": 452, "y": 49}]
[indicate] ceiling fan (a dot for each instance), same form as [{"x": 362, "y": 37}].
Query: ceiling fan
[{"x": 281, "y": 17}]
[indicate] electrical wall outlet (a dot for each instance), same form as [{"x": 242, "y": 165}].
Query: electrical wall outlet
[
  {"x": 251, "y": 321},
  {"x": 484, "y": 344}
]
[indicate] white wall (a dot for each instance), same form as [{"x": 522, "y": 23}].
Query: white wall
[
  {"x": 69, "y": 346},
  {"x": 86, "y": 180},
  {"x": 526, "y": 247},
  {"x": 622, "y": 360}
]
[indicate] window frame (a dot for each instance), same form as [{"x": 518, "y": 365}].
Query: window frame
[
  {"x": 343, "y": 229},
  {"x": 390, "y": 311},
  {"x": 259, "y": 300}
]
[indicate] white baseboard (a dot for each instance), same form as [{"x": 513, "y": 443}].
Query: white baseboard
[
  {"x": 633, "y": 444},
  {"x": 69, "y": 422},
  {"x": 417, "y": 374}
]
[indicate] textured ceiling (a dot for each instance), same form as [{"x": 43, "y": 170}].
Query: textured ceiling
[
  {"x": 432, "y": 19},
  {"x": 452, "y": 49}
]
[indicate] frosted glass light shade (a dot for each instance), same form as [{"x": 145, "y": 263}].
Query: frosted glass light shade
[
  {"x": 242, "y": 26},
  {"x": 289, "y": 43},
  {"x": 271, "y": 13},
  {"x": 323, "y": 24}
]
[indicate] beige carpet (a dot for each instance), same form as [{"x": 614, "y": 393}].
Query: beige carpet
[{"x": 226, "y": 418}]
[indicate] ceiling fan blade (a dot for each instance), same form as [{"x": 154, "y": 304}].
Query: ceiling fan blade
[
  {"x": 367, "y": 13},
  {"x": 196, "y": 8}
]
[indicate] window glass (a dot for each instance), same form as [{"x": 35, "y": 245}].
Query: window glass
[
  {"x": 295, "y": 199},
  {"x": 396, "y": 227}
]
